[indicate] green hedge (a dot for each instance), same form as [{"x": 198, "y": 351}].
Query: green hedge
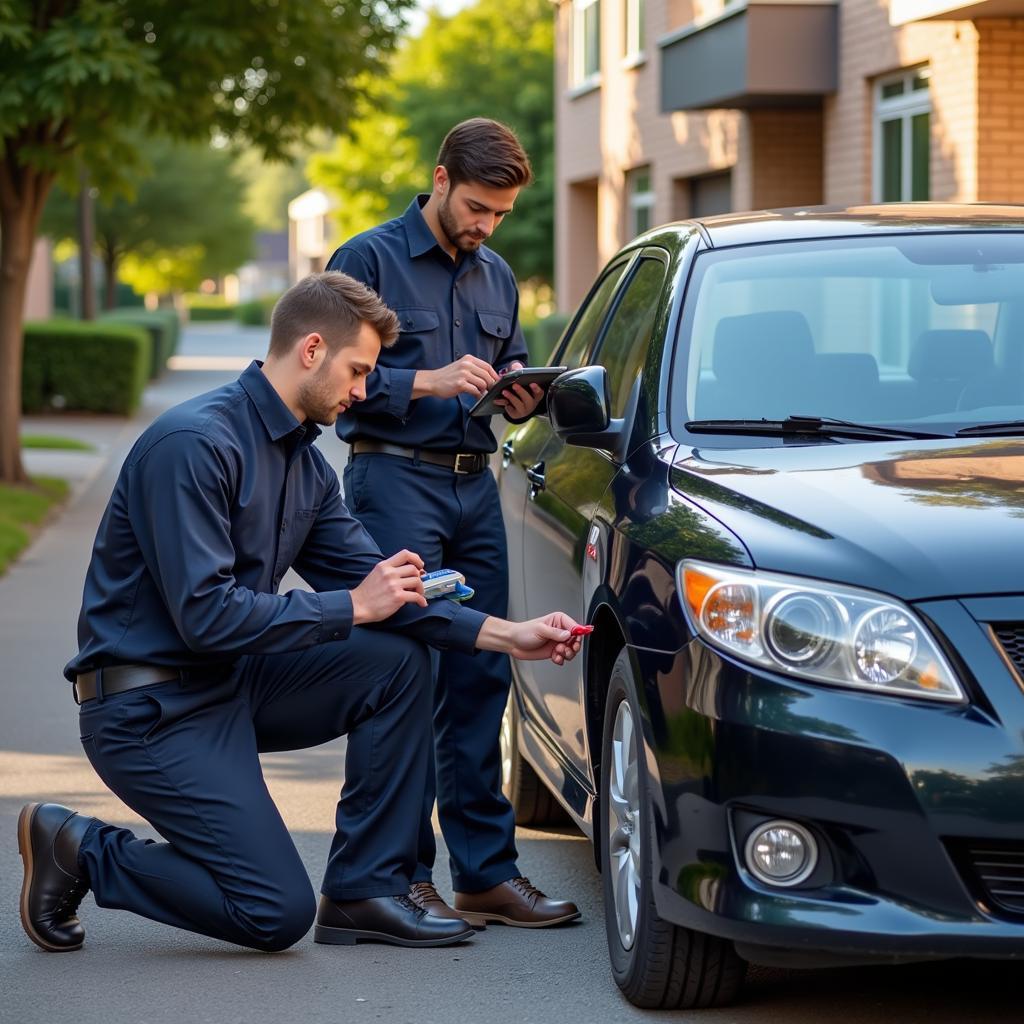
[
  {"x": 542, "y": 336},
  {"x": 164, "y": 329},
  {"x": 208, "y": 307},
  {"x": 256, "y": 312},
  {"x": 197, "y": 314},
  {"x": 93, "y": 367}
]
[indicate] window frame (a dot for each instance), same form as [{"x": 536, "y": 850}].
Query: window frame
[
  {"x": 648, "y": 254},
  {"x": 580, "y": 80},
  {"x": 634, "y": 30},
  {"x": 621, "y": 264},
  {"x": 904, "y": 108},
  {"x": 637, "y": 201}
]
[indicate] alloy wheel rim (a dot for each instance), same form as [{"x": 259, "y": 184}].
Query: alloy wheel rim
[
  {"x": 505, "y": 745},
  {"x": 624, "y": 832}
]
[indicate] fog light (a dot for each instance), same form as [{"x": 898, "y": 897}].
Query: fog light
[{"x": 781, "y": 853}]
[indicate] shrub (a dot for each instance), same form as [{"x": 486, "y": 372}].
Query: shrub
[
  {"x": 253, "y": 313},
  {"x": 202, "y": 314},
  {"x": 100, "y": 366},
  {"x": 164, "y": 329},
  {"x": 542, "y": 336},
  {"x": 208, "y": 307}
]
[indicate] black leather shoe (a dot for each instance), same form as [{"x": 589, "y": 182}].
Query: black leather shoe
[
  {"x": 49, "y": 837},
  {"x": 395, "y": 920}
]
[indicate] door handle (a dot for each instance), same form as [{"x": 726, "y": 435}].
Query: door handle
[
  {"x": 507, "y": 450},
  {"x": 535, "y": 474}
]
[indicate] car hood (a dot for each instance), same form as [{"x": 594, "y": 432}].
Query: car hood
[{"x": 916, "y": 519}]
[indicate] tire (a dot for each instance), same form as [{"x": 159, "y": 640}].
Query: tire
[
  {"x": 531, "y": 800},
  {"x": 655, "y": 963}
]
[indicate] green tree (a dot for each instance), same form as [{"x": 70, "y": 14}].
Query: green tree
[
  {"x": 183, "y": 222},
  {"x": 374, "y": 168},
  {"x": 270, "y": 185},
  {"x": 81, "y": 79},
  {"x": 492, "y": 59}
]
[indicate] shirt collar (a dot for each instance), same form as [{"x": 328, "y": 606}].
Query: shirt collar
[
  {"x": 421, "y": 239},
  {"x": 277, "y": 417}
]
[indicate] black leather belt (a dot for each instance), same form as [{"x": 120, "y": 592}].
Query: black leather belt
[
  {"x": 457, "y": 462},
  {"x": 120, "y": 679}
]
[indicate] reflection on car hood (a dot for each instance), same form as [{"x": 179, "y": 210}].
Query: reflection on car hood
[{"x": 915, "y": 519}]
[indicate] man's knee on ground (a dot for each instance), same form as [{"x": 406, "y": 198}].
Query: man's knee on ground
[{"x": 278, "y": 924}]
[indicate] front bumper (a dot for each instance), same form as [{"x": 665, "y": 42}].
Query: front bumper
[{"x": 896, "y": 791}]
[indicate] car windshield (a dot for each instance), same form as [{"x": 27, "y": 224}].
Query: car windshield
[{"x": 922, "y": 331}]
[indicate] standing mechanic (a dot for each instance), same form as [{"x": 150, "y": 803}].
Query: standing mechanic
[
  {"x": 419, "y": 476},
  {"x": 191, "y": 663}
]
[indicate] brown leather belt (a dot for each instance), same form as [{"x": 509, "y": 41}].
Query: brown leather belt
[
  {"x": 458, "y": 462},
  {"x": 120, "y": 679}
]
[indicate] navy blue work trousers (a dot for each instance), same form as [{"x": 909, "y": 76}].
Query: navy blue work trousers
[
  {"x": 184, "y": 756},
  {"x": 453, "y": 521}
]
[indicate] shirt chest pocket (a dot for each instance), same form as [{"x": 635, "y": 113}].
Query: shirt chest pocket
[
  {"x": 495, "y": 330},
  {"x": 294, "y": 531},
  {"x": 418, "y": 343}
]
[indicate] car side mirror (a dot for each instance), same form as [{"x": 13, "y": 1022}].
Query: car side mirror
[{"x": 579, "y": 409}]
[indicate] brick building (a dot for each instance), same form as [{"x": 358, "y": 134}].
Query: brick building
[{"x": 677, "y": 108}]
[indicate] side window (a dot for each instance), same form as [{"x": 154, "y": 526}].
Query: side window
[
  {"x": 588, "y": 322},
  {"x": 628, "y": 336}
]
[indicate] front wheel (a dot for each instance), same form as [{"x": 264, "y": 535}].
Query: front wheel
[{"x": 656, "y": 964}]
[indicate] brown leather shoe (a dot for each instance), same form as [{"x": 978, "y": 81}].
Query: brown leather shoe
[
  {"x": 515, "y": 902},
  {"x": 427, "y": 898}
]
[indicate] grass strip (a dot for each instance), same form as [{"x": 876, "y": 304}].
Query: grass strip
[
  {"x": 23, "y": 507},
  {"x": 71, "y": 444}
]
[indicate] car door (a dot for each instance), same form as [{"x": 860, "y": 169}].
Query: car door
[
  {"x": 522, "y": 445},
  {"x": 566, "y": 487}
]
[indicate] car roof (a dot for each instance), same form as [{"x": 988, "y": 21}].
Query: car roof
[{"x": 838, "y": 222}]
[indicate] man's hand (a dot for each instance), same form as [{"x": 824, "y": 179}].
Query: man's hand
[
  {"x": 393, "y": 582},
  {"x": 466, "y": 376},
  {"x": 518, "y": 403},
  {"x": 541, "y": 639}
]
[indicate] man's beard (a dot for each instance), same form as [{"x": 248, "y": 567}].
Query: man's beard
[
  {"x": 462, "y": 240},
  {"x": 317, "y": 398}
]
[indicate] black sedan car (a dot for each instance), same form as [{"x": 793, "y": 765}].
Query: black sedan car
[{"x": 783, "y": 477}]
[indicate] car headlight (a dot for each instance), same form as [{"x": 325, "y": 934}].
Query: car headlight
[{"x": 816, "y": 630}]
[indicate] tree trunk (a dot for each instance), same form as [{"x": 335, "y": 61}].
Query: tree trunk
[
  {"x": 22, "y": 194},
  {"x": 86, "y": 244},
  {"x": 109, "y": 277}
]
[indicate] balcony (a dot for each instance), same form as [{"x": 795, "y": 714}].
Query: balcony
[
  {"x": 902, "y": 12},
  {"x": 753, "y": 55}
]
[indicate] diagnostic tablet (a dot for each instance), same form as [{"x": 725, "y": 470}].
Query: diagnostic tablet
[{"x": 527, "y": 375}]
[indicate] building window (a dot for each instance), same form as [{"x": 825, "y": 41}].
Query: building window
[
  {"x": 634, "y": 33},
  {"x": 641, "y": 201},
  {"x": 586, "y": 42},
  {"x": 902, "y": 135}
]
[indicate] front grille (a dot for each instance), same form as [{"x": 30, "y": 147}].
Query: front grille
[
  {"x": 999, "y": 869},
  {"x": 1011, "y": 638}
]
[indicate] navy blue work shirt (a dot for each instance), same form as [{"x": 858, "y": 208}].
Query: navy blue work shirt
[
  {"x": 216, "y": 500},
  {"x": 446, "y": 309}
]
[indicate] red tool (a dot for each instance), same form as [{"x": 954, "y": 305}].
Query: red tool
[{"x": 581, "y": 631}]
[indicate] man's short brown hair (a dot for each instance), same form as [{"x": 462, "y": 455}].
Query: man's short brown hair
[
  {"x": 332, "y": 305},
  {"x": 486, "y": 152}
]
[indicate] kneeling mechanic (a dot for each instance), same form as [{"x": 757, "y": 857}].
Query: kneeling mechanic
[{"x": 191, "y": 664}]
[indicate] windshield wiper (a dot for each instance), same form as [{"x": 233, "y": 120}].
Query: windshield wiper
[
  {"x": 825, "y": 425},
  {"x": 1000, "y": 427}
]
